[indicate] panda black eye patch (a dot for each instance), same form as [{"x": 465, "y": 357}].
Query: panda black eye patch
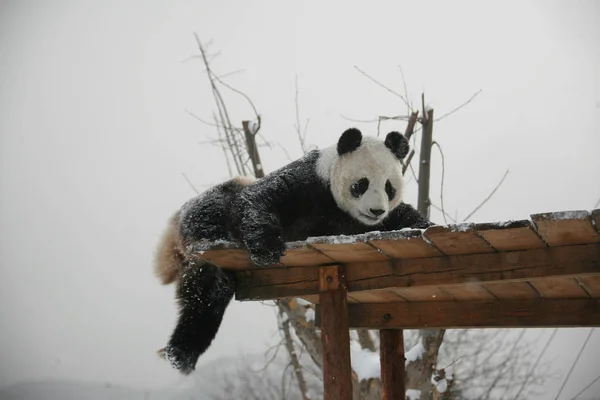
[
  {"x": 389, "y": 189},
  {"x": 359, "y": 187}
]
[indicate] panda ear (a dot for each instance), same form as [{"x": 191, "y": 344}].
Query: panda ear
[
  {"x": 349, "y": 141},
  {"x": 398, "y": 144}
]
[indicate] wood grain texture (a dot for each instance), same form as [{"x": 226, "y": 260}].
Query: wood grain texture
[
  {"x": 516, "y": 266},
  {"x": 335, "y": 336},
  {"x": 235, "y": 259},
  {"x": 299, "y": 254},
  {"x": 476, "y": 314},
  {"x": 566, "y": 228},
  {"x": 565, "y": 288},
  {"x": 404, "y": 244},
  {"x": 512, "y": 290},
  {"x": 392, "y": 359},
  {"x": 457, "y": 239},
  {"x": 350, "y": 252},
  {"x": 510, "y": 236}
]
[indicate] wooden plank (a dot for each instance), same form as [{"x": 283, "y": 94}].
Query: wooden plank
[
  {"x": 232, "y": 258},
  {"x": 469, "y": 291},
  {"x": 392, "y": 359},
  {"x": 566, "y": 228},
  {"x": 335, "y": 336},
  {"x": 476, "y": 314},
  {"x": 510, "y": 236},
  {"x": 516, "y": 266},
  {"x": 429, "y": 293},
  {"x": 512, "y": 290},
  {"x": 457, "y": 239},
  {"x": 344, "y": 249},
  {"x": 273, "y": 283},
  {"x": 299, "y": 254},
  {"x": 376, "y": 296},
  {"x": 591, "y": 284},
  {"x": 404, "y": 244},
  {"x": 566, "y": 288}
]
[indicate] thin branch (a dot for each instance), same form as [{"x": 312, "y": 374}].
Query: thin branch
[
  {"x": 597, "y": 204},
  {"x": 410, "y": 127},
  {"x": 223, "y": 112},
  {"x": 574, "y": 363},
  {"x": 378, "y": 119},
  {"x": 289, "y": 344},
  {"x": 508, "y": 359},
  {"x": 190, "y": 183},
  {"x": 536, "y": 362},
  {"x": 586, "y": 388},
  {"x": 461, "y": 106},
  {"x": 298, "y": 131},
  {"x": 442, "y": 183},
  {"x": 407, "y": 162},
  {"x": 487, "y": 198},
  {"x": 452, "y": 219},
  {"x": 408, "y": 106},
  {"x": 225, "y": 75},
  {"x": 223, "y": 146},
  {"x": 203, "y": 121},
  {"x": 382, "y": 85},
  {"x": 241, "y": 94}
]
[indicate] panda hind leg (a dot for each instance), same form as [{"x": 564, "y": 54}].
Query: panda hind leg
[{"x": 203, "y": 293}]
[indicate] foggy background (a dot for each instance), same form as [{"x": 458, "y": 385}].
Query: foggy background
[{"x": 95, "y": 137}]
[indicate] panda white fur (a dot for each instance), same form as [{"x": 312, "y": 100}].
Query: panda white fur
[{"x": 351, "y": 188}]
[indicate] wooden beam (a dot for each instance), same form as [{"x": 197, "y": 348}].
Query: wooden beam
[
  {"x": 474, "y": 314},
  {"x": 513, "y": 266},
  {"x": 393, "y": 373},
  {"x": 335, "y": 335}
]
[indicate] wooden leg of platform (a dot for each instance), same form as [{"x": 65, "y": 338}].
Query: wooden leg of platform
[
  {"x": 335, "y": 334},
  {"x": 393, "y": 374}
]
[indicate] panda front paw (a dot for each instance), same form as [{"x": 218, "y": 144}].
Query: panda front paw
[
  {"x": 179, "y": 359},
  {"x": 267, "y": 254}
]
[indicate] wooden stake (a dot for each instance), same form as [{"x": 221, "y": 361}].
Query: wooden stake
[
  {"x": 393, "y": 374},
  {"x": 335, "y": 335}
]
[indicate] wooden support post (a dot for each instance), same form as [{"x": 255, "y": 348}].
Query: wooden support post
[
  {"x": 393, "y": 374},
  {"x": 335, "y": 335}
]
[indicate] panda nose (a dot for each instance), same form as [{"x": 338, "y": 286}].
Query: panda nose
[{"x": 376, "y": 211}]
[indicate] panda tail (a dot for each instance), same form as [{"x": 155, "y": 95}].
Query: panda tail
[
  {"x": 203, "y": 293},
  {"x": 169, "y": 257}
]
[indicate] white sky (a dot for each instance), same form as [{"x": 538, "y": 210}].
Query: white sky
[{"x": 94, "y": 138}]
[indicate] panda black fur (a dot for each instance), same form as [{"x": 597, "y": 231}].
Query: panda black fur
[{"x": 352, "y": 188}]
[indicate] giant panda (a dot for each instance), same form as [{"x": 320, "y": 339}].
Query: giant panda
[{"x": 350, "y": 188}]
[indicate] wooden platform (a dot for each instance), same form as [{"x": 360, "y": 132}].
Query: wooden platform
[
  {"x": 539, "y": 272},
  {"x": 542, "y": 272}
]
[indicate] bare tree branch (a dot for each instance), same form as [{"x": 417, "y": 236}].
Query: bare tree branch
[
  {"x": 582, "y": 391},
  {"x": 537, "y": 361},
  {"x": 190, "y": 183},
  {"x": 301, "y": 136},
  {"x": 408, "y": 106},
  {"x": 452, "y": 219},
  {"x": 289, "y": 344},
  {"x": 460, "y": 106},
  {"x": 442, "y": 183},
  {"x": 487, "y": 198},
  {"x": 383, "y": 86},
  {"x": 406, "y": 163},
  {"x": 574, "y": 363},
  {"x": 241, "y": 94},
  {"x": 223, "y": 146}
]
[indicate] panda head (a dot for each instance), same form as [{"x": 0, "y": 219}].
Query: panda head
[{"x": 365, "y": 174}]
